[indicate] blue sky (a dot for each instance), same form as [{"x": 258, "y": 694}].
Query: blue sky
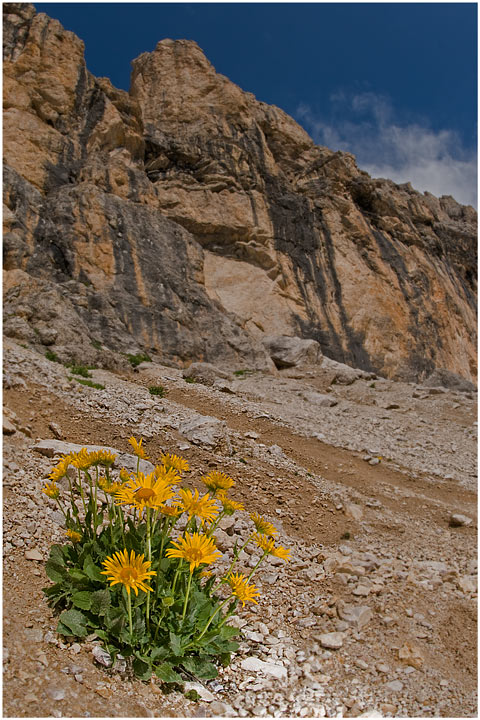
[{"x": 394, "y": 83}]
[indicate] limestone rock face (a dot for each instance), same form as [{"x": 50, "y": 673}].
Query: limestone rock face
[{"x": 189, "y": 220}]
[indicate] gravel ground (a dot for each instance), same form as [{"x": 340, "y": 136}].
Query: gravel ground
[{"x": 376, "y": 612}]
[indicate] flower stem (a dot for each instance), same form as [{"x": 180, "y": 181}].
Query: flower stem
[
  {"x": 213, "y": 526},
  {"x": 149, "y": 557},
  {"x": 186, "y": 596},
  {"x": 129, "y": 608},
  {"x": 256, "y": 566},
  {"x": 208, "y": 623}
]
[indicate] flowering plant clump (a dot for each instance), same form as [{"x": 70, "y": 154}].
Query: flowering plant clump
[{"x": 128, "y": 574}]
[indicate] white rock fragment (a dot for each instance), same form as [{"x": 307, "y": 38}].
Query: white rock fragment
[
  {"x": 33, "y": 554},
  {"x": 330, "y": 641},
  {"x": 253, "y": 664}
]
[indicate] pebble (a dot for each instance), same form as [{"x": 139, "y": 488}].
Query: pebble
[
  {"x": 356, "y": 615},
  {"x": 33, "y": 555},
  {"x": 55, "y": 693},
  {"x": 394, "y": 686},
  {"x": 330, "y": 641},
  {"x": 457, "y": 520}
]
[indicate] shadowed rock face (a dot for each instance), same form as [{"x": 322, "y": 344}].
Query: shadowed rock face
[{"x": 187, "y": 219}]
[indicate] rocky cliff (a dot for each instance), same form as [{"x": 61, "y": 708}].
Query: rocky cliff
[{"x": 189, "y": 220}]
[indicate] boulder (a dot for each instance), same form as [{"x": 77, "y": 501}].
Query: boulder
[
  {"x": 288, "y": 351},
  {"x": 344, "y": 374},
  {"x": 441, "y": 377},
  {"x": 204, "y": 373}
]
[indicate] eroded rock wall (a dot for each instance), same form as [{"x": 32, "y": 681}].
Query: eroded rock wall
[{"x": 188, "y": 219}]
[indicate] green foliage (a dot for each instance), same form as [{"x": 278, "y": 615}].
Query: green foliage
[
  {"x": 170, "y": 644},
  {"x": 53, "y": 357},
  {"x": 372, "y": 385},
  {"x": 190, "y": 380},
  {"x": 346, "y": 536},
  {"x": 135, "y": 360},
  {"x": 88, "y": 383},
  {"x": 80, "y": 370},
  {"x": 157, "y": 390},
  {"x": 96, "y": 344}
]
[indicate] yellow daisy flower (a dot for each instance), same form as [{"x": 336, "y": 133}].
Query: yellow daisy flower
[
  {"x": 218, "y": 481},
  {"x": 124, "y": 475},
  {"x": 143, "y": 491},
  {"x": 171, "y": 510},
  {"x": 103, "y": 457},
  {"x": 268, "y": 546},
  {"x": 195, "y": 549},
  {"x": 60, "y": 470},
  {"x": 137, "y": 448},
  {"x": 202, "y": 507},
  {"x": 230, "y": 506},
  {"x": 111, "y": 488},
  {"x": 51, "y": 490},
  {"x": 168, "y": 475},
  {"x": 263, "y": 526},
  {"x": 132, "y": 572},
  {"x": 74, "y": 536},
  {"x": 244, "y": 591},
  {"x": 82, "y": 460},
  {"x": 175, "y": 462}
]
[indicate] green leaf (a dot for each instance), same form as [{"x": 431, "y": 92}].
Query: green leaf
[
  {"x": 56, "y": 571},
  {"x": 159, "y": 653},
  {"x": 142, "y": 668},
  {"x": 75, "y": 621},
  {"x": 176, "y": 644},
  {"x": 166, "y": 673},
  {"x": 77, "y": 575},
  {"x": 57, "y": 553},
  {"x": 82, "y": 600},
  {"x": 93, "y": 571},
  {"x": 100, "y": 602},
  {"x": 200, "y": 668},
  {"x": 228, "y": 631}
]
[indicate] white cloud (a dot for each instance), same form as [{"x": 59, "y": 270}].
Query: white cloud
[{"x": 431, "y": 160}]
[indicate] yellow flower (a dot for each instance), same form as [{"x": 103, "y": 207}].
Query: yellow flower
[
  {"x": 241, "y": 588},
  {"x": 175, "y": 462},
  {"x": 206, "y": 574},
  {"x": 195, "y": 549},
  {"x": 124, "y": 475},
  {"x": 132, "y": 572},
  {"x": 171, "y": 510},
  {"x": 60, "y": 470},
  {"x": 217, "y": 481},
  {"x": 51, "y": 490},
  {"x": 143, "y": 491},
  {"x": 137, "y": 448},
  {"x": 230, "y": 506},
  {"x": 263, "y": 526},
  {"x": 203, "y": 507},
  {"x": 83, "y": 459},
  {"x": 74, "y": 536},
  {"x": 103, "y": 457},
  {"x": 169, "y": 475},
  {"x": 281, "y": 552},
  {"x": 111, "y": 488},
  {"x": 268, "y": 546}
]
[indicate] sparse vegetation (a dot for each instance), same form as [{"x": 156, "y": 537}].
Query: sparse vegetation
[
  {"x": 135, "y": 360},
  {"x": 346, "y": 536},
  {"x": 96, "y": 344},
  {"x": 157, "y": 390},
  {"x": 88, "y": 383},
  {"x": 190, "y": 380},
  {"x": 53, "y": 357},
  {"x": 80, "y": 370}
]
